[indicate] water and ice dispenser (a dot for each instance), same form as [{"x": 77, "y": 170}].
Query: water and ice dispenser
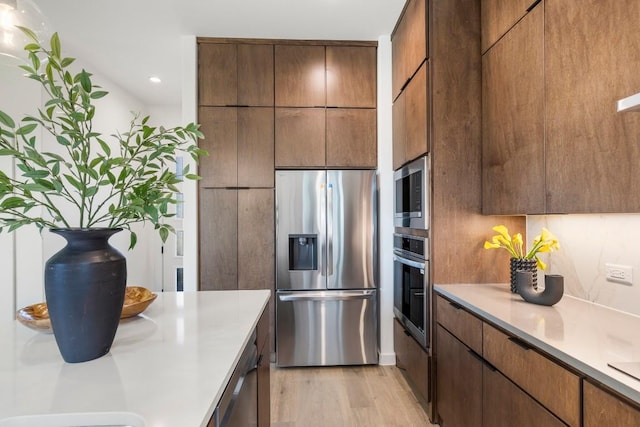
[{"x": 303, "y": 251}]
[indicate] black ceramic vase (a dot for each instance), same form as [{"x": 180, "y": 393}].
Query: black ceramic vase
[
  {"x": 524, "y": 265},
  {"x": 85, "y": 285}
]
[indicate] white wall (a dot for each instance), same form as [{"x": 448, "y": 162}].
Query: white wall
[
  {"x": 385, "y": 217},
  {"x": 587, "y": 242}
]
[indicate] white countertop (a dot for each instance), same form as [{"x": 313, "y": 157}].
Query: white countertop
[
  {"x": 169, "y": 365},
  {"x": 582, "y": 334}
]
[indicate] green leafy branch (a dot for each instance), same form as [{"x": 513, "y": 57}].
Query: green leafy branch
[{"x": 105, "y": 186}]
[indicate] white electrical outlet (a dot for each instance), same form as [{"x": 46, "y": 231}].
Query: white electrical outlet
[{"x": 619, "y": 273}]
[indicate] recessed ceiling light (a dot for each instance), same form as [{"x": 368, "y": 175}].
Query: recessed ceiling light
[{"x": 155, "y": 79}]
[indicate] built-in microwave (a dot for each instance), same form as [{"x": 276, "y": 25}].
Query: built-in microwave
[
  {"x": 411, "y": 285},
  {"x": 411, "y": 194}
]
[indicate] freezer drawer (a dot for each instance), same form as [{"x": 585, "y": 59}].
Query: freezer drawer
[{"x": 326, "y": 328}]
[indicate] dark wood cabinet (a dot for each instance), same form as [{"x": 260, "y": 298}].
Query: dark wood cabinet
[
  {"x": 300, "y": 76},
  {"x": 351, "y": 76},
  {"x": 240, "y": 142},
  {"x": 411, "y": 120},
  {"x": 459, "y": 382},
  {"x": 326, "y": 106},
  {"x": 220, "y": 128},
  {"x": 409, "y": 41},
  {"x": 351, "y": 138},
  {"x": 498, "y": 16},
  {"x": 592, "y": 58},
  {"x": 500, "y": 380},
  {"x": 300, "y": 137},
  {"x": 256, "y": 147},
  {"x": 218, "y": 213},
  {"x": 505, "y": 405},
  {"x": 601, "y": 408},
  {"x": 236, "y": 239},
  {"x": 255, "y": 238},
  {"x": 231, "y": 74},
  {"x": 513, "y": 153},
  {"x": 413, "y": 360},
  {"x": 538, "y": 375}
]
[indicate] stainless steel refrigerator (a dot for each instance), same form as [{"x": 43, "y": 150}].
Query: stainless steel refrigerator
[{"x": 326, "y": 273}]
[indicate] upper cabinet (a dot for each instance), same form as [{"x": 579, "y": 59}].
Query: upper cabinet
[
  {"x": 326, "y": 99},
  {"x": 351, "y": 76},
  {"x": 590, "y": 151},
  {"x": 513, "y": 120},
  {"x": 411, "y": 119},
  {"x": 300, "y": 76},
  {"x": 498, "y": 16},
  {"x": 410, "y": 41},
  {"x": 235, "y": 74},
  {"x": 592, "y": 59}
]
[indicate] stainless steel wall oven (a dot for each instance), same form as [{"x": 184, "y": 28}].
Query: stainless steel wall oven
[
  {"x": 411, "y": 193},
  {"x": 411, "y": 285}
]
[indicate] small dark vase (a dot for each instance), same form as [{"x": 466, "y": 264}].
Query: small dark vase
[
  {"x": 525, "y": 265},
  {"x": 85, "y": 285}
]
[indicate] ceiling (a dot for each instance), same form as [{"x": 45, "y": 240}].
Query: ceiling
[{"x": 131, "y": 40}]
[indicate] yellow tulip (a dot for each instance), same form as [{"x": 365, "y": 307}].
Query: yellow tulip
[
  {"x": 541, "y": 265},
  {"x": 489, "y": 245},
  {"x": 545, "y": 242}
]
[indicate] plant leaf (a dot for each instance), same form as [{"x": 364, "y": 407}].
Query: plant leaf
[{"x": 6, "y": 120}]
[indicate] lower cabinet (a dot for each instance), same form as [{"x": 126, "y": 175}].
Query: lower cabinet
[
  {"x": 413, "y": 360},
  {"x": 458, "y": 382},
  {"x": 601, "y": 408},
  {"x": 500, "y": 383}
]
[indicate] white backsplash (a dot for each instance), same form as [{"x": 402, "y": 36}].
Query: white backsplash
[{"x": 587, "y": 243}]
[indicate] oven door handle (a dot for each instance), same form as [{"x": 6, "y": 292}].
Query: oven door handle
[{"x": 408, "y": 262}]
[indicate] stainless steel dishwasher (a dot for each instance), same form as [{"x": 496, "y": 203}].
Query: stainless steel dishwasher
[{"x": 238, "y": 406}]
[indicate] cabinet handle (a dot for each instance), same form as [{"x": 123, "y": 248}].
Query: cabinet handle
[
  {"x": 535, "y": 3},
  {"x": 481, "y": 360},
  {"x": 520, "y": 343},
  {"x": 455, "y": 305}
]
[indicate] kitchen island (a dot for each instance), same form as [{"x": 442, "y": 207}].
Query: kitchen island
[{"x": 169, "y": 365}]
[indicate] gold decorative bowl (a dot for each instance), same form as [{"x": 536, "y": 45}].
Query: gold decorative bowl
[{"x": 36, "y": 316}]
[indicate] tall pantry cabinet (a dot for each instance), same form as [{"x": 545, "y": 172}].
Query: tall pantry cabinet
[{"x": 436, "y": 88}]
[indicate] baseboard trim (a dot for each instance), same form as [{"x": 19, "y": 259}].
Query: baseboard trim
[{"x": 386, "y": 359}]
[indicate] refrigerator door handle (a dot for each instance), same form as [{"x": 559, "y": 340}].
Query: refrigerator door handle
[
  {"x": 329, "y": 229},
  {"x": 324, "y": 296}
]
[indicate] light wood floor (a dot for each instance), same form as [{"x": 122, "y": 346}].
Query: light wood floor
[{"x": 343, "y": 396}]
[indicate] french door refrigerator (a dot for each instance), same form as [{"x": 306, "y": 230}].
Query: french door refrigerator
[{"x": 326, "y": 272}]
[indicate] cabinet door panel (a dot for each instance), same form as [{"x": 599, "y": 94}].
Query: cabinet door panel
[
  {"x": 217, "y": 74},
  {"x": 300, "y": 137},
  {"x": 300, "y": 76},
  {"x": 220, "y": 128},
  {"x": 604, "y": 409},
  {"x": 459, "y": 382},
  {"x": 498, "y": 16},
  {"x": 218, "y": 239},
  {"x": 409, "y": 43},
  {"x": 399, "y": 123},
  {"x": 255, "y": 75},
  {"x": 417, "y": 118},
  {"x": 255, "y": 147},
  {"x": 256, "y": 245},
  {"x": 351, "y": 76},
  {"x": 414, "y": 360},
  {"x": 464, "y": 325},
  {"x": 549, "y": 383},
  {"x": 505, "y": 405},
  {"x": 351, "y": 138},
  {"x": 592, "y": 58},
  {"x": 513, "y": 120}
]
